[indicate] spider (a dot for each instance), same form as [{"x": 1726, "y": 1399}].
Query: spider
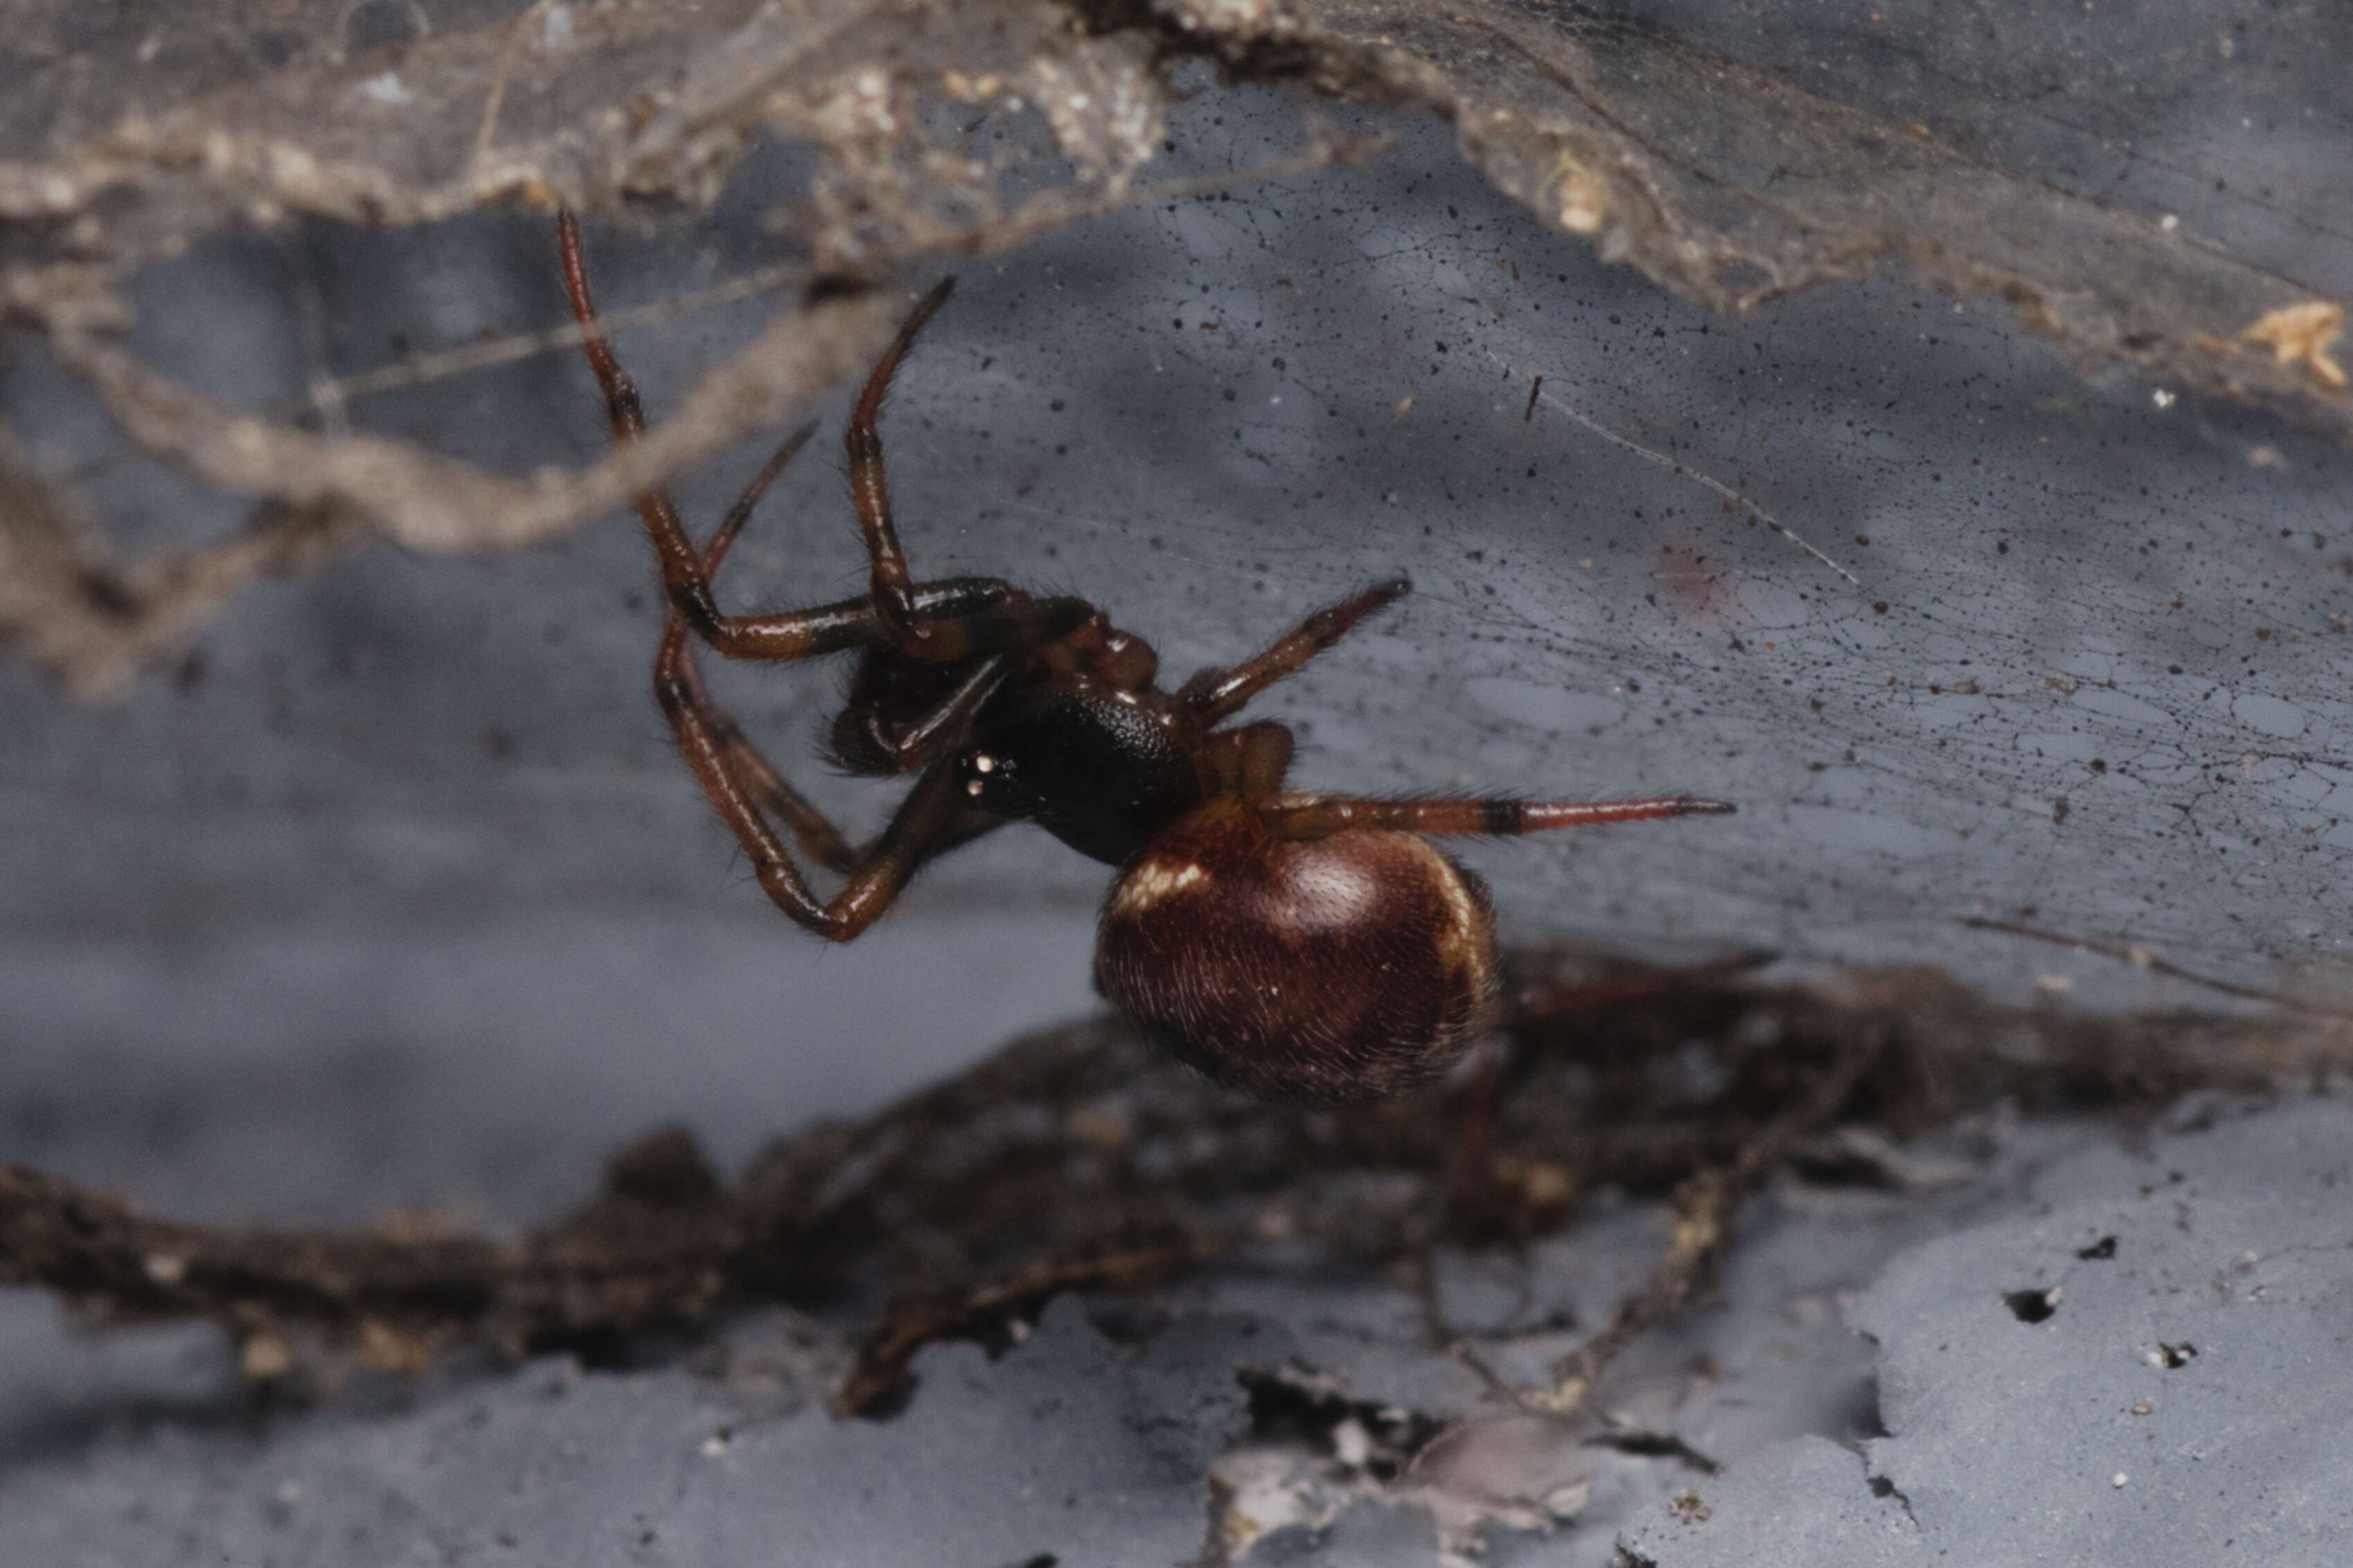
[{"x": 1310, "y": 947}]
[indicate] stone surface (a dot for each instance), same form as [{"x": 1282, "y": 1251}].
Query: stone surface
[
  {"x": 2145, "y": 1363},
  {"x": 395, "y": 895}
]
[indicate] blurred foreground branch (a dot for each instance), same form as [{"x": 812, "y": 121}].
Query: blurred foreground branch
[
  {"x": 1080, "y": 1159},
  {"x": 929, "y": 129}
]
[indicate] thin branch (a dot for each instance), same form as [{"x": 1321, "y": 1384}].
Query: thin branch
[
  {"x": 1702, "y": 1211},
  {"x": 1082, "y": 1159},
  {"x": 2140, "y": 957},
  {"x": 326, "y": 491}
]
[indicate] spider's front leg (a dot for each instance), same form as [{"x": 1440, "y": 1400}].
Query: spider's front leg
[
  {"x": 932, "y": 815},
  {"x": 679, "y": 686},
  {"x": 895, "y": 612}
]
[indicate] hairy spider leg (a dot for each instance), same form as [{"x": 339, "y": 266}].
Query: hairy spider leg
[
  {"x": 870, "y": 489},
  {"x": 1319, "y": 817},
  {"x": 976, "y": 619},
  {"x": 932, "y": 809},
  {"x": 1219, "y": 693},
  {"x": 953, "y": 626},
  {"x": 674, "y": 667}
]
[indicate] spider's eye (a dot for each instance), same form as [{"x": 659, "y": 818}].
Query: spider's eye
[{"x": 986, "y": 774}]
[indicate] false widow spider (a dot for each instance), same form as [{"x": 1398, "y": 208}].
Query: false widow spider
[{"x": 1309, "y": 947}]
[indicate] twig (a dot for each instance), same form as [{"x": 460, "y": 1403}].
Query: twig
[
  {"x": 1047, "y": 210},
  {"x": 1703, "y": 1207},
  {"x": 1080, "y": 1158},
  {"x": 2140, "y": 957},
  {"x": 878, "y": 1381},
  {"x": 503, "y": 72},
  {"x": 327, "y": 492}
]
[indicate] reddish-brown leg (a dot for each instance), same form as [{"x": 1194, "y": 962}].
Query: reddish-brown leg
[
  {"x": 739, "y": 780},
  {"x": 933, "y": 810},
  {"x": 1214, "y": 694},
  {"x": 870, "y": 489},
  {"x": 1010, "y": 620},
  {"x": 676, "y": 677},
  {"x": 1318, "y": 816},
  {"x": 754, "y": 776},
  {"x": 674, "y": 668}
]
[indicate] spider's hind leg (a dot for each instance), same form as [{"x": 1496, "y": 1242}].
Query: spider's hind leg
[{"x": 1319, "y": 817}]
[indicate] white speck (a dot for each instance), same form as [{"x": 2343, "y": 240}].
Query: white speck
[
  {"x": 386, "y": 89},
  {"x": 1275, "y": 399},
  {"x": 972, "y": 786},
  {"x": 714, "y": 1446},
  {"x": 2117, "y": 1480},
  {"x": 555, "y": 27},
  {"x": 984, "y": 763},
  {"x": 1350, "y": 1444},
  {"x": 2169, "y": 222},
  {"x": 2161, "y": 397}
]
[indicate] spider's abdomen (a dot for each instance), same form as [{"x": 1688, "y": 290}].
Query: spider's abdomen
[{"x": 1349, "y": 967}]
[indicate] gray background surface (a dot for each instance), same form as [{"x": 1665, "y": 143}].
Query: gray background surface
[{"x": 398, "y": 897}]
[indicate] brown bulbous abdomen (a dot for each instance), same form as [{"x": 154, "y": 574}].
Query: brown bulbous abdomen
[{"x": 1349, "y": 967}]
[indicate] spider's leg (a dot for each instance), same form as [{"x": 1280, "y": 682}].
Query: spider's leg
[
  {"x": 683, "y": 578},
  {"x": 757, "y": 778},
  {"x": 675, "y": 669},
  {"x": 960, "y": 620},
  {"x": 963, "y": 623},
  {"x": 1317, "y": 816},
  {"x": 675, "y": 674},
  {"x": 933, "y": 810},
  {"x": 818, "y": 838},
  {"x": 1214, "y": 693},
  {"x": 869, "y": 490}
]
